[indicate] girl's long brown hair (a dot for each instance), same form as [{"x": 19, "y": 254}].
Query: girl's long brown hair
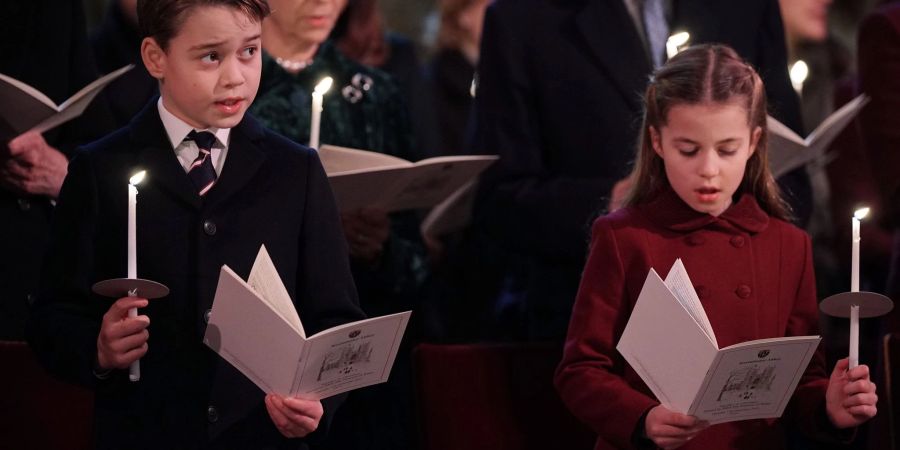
[{"x": 709, "y": 73}]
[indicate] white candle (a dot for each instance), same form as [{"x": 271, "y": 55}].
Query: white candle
[
  {"x": 134, "y": 371},
  {"x": 315, "y": 123},
  {"x": 854, "y": 336},
  {"x": 858, "y": 215}
]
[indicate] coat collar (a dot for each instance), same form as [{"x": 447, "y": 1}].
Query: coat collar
[
  {"x": 669, "y": 211},
  {"x": 155, "y": 154}
]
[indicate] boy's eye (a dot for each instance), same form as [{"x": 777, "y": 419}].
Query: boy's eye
[
  {"x": 249, "y": 51},
  {"x": 210, "y": 57}
]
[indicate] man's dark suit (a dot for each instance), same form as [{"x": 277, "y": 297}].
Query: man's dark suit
[
  {"x": 270, "y": 191},
  {"x": 559, "y": 99}
]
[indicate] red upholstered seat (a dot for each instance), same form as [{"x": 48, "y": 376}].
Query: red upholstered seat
[
  {"x": 493, "y": 396},
  {"x": 37, "y": 411}
]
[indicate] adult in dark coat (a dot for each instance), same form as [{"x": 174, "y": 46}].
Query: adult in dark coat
[
  {"x": 43, "y": 44},
  {"x": 270, "y": 191},
  {"x": 559, "y": 100}
]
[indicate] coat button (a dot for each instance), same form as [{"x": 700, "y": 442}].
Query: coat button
[
  {"x": 737, "y": 241},
  {"x": 24, "y": 204},
  {"x": 209, "y": 227},
  {"x": 702, "y": 292},
  {"x": 695, "y": 239},
  {"x": 743, "y": 291},
  {"x": 206, "y": 315},
  {"x": 211, "y": 414}
]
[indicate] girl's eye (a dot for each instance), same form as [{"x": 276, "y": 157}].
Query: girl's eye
[
  {"x": 727, "y": 151},
  {"x": 690, "y": 151},
  {"x": 210, "y": 57}
]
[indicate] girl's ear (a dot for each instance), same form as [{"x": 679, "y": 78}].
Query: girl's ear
[
  {"x": 754, "y": 139},
  {"x": 655, "y": 141},
  {"x": 154, "y": 58}
]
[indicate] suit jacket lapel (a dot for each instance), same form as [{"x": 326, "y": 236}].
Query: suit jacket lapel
[
  {"x": 243, "y": 161},
  {"x": 614, "y": 41},
  {"x": 156, "y": 156}
]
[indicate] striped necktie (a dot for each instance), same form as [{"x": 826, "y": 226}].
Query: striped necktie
[
  {"x": 657, "y": 30},
  {"x": 202, "y": 173}
]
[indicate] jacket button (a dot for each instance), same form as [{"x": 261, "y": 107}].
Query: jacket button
[
  {"x": 695, "y": 239},
  {"x": 209, "y": 227},
  {"x": 206, "y": 315},
  {"x": 24, "y": 204},
  {"x": 211, "y": 414},
  {"x": 737, "y": 241},
  {"x": 743, "y": 291},
  {"x": 702, "y": 292}
]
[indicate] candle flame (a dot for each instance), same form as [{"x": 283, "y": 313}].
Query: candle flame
[
  {"x": 324, "y": 85},
  {"x": 137, "y": 178},
  {"x": 861, "y": 213},
  {"x": 676, "y": 42},
  {"x": 798, "y": 72}
]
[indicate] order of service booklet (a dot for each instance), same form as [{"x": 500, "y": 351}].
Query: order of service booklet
[
  {"x": 254, "y": 326},
  {"x": 24, "y": 108},
  {"x": 670, "y": 343},
  {"x": 788, "y": 151},
  {"x": 361, "y": 178}
]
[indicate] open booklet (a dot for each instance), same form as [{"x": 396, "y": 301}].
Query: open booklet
[
  {"x": 670, "y": 343},
  {"x": 788, "y": 151},
  {"x": 254, "y": 326},
  {"x": 360, "y": 178},
  {"x": 24, "y": 108}
]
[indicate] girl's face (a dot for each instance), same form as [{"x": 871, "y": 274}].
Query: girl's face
[{"x": 705, "y": 148}]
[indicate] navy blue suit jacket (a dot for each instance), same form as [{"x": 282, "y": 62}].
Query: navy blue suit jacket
[
  {"x": 560, "y": 100},
  {"x": 270, "y": 191}
]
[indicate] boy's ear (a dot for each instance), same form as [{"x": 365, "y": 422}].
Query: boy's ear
[
  {"x": 655, "y": 140},
  {"x": 754, "y": 139},
  {"x": 154, "y": 57}
]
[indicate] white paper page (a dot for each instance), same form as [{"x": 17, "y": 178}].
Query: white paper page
[
  {"x": 452, "y": 214},
  {"x": 375, "y": 188},
  {"x": 754, "y": 380},
  {"x": 666, "y": 346},
  {"x": 264, "y": 279},
  {"x": 344, "y": 159},
  {"x": 22, "y": 106},
  {"x": 832, "y": 126},
  {"x": 680, "y": 284},
  {"x": 76, "y": 104},
  {"x": 433, "y": 180},
  {"x": 351, "y": 356},
  {"x": 244, "y": 331}
]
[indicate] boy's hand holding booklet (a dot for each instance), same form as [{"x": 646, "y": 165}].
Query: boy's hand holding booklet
[
  {"x": 670, "y": 343},
  {"x": 254, "y": 326}
]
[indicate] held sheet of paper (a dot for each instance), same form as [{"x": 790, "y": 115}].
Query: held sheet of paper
[
  {"x": 254, "y": 326},
  {"x": 670, "y": 343}
]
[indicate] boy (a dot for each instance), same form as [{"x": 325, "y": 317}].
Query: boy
[{"x": 195, "y": 213}]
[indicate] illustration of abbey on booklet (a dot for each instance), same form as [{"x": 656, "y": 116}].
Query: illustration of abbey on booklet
[
  {"x": 670, "y": 343},
  {"x": 254, "y": 326}
]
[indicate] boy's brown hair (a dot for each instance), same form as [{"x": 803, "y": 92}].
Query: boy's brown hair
[
  {"x": 162, "y": 19},
  {"x": 706, "y": 73}
]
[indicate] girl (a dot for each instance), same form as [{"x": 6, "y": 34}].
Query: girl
[{"x": 702, "y": 192}]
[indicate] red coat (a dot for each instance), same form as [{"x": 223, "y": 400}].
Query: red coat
[{"x": 754, "y": 276}]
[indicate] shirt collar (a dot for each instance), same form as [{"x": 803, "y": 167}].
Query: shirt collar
[
  {"x": 177, "y": 129},
  {"x": 668, "y": 210}
]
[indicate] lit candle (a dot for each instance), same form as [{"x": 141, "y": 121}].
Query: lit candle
[
  {"x": 798, "y": 73},
  {"x": 134, "y": 371},
  {"x": 858, "y": 215},
  {"x": 675, "y": 43},
  {"x": 317, "y": 97}
]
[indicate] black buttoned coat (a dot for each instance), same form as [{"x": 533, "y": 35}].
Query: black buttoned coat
[{"x": 270, "y": 191}]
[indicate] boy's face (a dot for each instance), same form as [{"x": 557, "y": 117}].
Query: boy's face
[
  {"x": 705, "y": 148},
  {"x": 210, "y": 72}
]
